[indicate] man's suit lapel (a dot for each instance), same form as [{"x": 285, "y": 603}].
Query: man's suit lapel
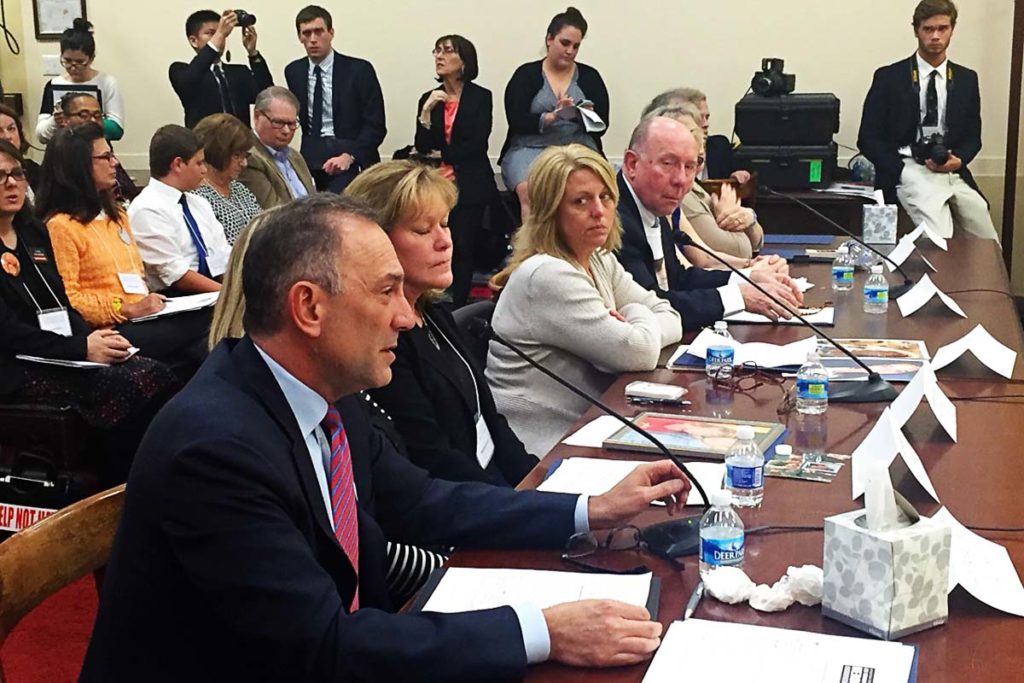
[
  {"x": 301, "y": 170},
  {"x": 668, "y": 248},
  {"x": 629, "y": 215},
  {"x": 278, "y": 180}
]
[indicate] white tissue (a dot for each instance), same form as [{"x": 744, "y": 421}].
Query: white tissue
[
  {"x": 879, "y": 499},
  {"x": 800, "y": 584},
  {"x": 805, "y": 584},
  {"x": 774, "y": 598},
  {"x": 729, "y": 584}
]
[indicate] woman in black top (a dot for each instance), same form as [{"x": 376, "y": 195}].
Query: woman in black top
[
  {"x": 454, "y": 122},
  {"x": 438, "y": 397},
  {"x": 540, "y": 99},
  {"x": 36, "y": 320}
]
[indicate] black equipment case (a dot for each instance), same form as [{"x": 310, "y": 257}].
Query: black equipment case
[
  {"x": 800, "y": 119},
  {"x": 789, "y": 168}
]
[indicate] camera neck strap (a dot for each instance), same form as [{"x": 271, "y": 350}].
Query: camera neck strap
[{"x": 915, "y": 79}]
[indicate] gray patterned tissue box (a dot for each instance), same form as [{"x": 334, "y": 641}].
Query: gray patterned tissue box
[
  {"x": 879, "y": 224},
  {"x": 887, "y": 583}
]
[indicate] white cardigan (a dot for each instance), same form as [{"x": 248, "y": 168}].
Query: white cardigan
[{"x": 552, "y": 310}]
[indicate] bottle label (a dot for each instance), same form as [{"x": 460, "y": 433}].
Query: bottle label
[
  {"x": 876, "y": 296},
  {"x": 722, "y": 552},
  {"x": 737, "y": 477},
  {"x": 842, "y": 274},
  {"x": 813, "y": 389},
  {"x": 720, "y": 355}
]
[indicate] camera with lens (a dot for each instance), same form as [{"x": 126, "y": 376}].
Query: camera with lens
[
  {"x": 770, "y": 81},
  {"x": 245, "y": 19},
  {"x": 931, "y": 147}
]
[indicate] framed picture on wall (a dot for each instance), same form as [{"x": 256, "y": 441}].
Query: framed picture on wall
[{"x": 53, "y": 17}]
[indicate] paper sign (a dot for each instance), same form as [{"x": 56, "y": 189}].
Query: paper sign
[
  {"x": 923, "y": 229},
  {"x": 986, "y": 348},
  {"x": 925, "y": 385},
  {"x": 883, "y": 443},
  {"x": 922, "y": 293}
]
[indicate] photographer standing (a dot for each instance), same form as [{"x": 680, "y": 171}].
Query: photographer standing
[
  {"x": 204, "y": 85},
  {"x": 921, "y": 126}
]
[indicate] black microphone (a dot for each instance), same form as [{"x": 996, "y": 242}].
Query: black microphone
[
  {"x": 676, "y": 537},
  {"x": 874, "y": 390},
  {"x": 895, "y": 292}
]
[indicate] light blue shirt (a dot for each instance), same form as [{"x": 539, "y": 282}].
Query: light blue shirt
[
  {"x": 284, "y": 165},
  {"x": 327, "y": 76},
  {"x": 310, "y": 409}
]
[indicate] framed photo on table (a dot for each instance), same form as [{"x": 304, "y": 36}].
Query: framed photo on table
[
  {"x": 53, "y": 17},
  {"x": 708, "y": 437}
]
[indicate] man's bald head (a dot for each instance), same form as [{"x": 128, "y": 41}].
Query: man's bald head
[{"x": 661, "y": 163}]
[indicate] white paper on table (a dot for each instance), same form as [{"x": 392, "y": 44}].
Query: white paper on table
[
  {"x": 705, "y": 650},
  {"x": 914, "y": 464},
  {"x": 594, "y": 433},
  {"x": 826, "y": 316},
  {"x": 764, "y": 354},
  {"x": 803, "y": 284},
  {"x": 80, "y": 364},
  {"x": 923, "y": 229},
  {"x": 942, "y": 408},
  {"x": 182, "y": 304},
  {"x": 986, "y": 348},
  {"x": 594, "y": 476},
  {"x": 925, "y": 385},
  {"x": 982, "y": 567},
  {"x": 928, "y": 263},
  {"x": 465, "y": 589},
  {"x": 921, "y": 293},
  {"x": 904, "y": 248}
]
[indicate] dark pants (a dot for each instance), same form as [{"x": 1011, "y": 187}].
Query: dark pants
[
  {"x": 465, "y": 222},
  {"x": 316, "y": 151},
  {"x": 177, "y": 340}
]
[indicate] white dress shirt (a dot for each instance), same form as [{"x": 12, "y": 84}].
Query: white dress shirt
[
  {"x": 924, "y": 74},
  {"x": 163, "y": 237},
  {"x": 327, "y": 76}
]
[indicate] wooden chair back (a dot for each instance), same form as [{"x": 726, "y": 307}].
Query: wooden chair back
[{"x": 37, "y": 562}]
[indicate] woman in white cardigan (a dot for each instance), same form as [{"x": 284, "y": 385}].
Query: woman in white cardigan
[{"x": 567, "y": 302}]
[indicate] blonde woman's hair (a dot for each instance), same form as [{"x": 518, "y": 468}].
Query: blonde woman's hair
[
  {"x": 548, "y": 176},
  {"x": 400, "y": 188},
  {"x": 230, "y": 307}
]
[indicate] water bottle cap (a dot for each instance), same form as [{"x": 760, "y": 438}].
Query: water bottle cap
[
  {"x": 813, "y": 357},
  {"x": 876, "y": 270},
  {"x": 721, "y": 325},
  {"x": 720, "y": 498},
  {"x": 784, "y": 450},
  {"x": 843, "y": 250},
  {"x": 745, "y": 432}
]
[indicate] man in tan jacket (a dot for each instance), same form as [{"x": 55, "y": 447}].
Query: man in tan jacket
[{"x": 275, "y": 172}]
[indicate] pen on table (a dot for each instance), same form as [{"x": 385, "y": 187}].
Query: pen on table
[
  {"x": 658, "y": 402},
  {"x": 691, "y": 604}
]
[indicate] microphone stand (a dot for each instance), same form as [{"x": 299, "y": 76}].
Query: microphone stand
[
  {"x": 895, "y": 292},
  {"x": 874, "y": 390}
]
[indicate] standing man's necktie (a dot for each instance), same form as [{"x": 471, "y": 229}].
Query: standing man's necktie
[
  {"x": 316, "y": 116},
  {"x": 343, "y": 493},
  {"x": 197, "y": 237},
  {"x": 222, "y": 86},
  {"x": 931, "y": 102}
]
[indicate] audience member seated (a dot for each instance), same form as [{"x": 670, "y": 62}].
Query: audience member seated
[
  {"x": 454, "y": 124},
  {"x": 226, "y": 141},
  {"x": 36, "y": 320},
  {"x": 12, "y": 131},
  {"x": 182, "y": 243},
  {"x": 266, "y": 572},
  {"x": 76, "y": 108},
  {"x": 438, "y": 398},
  {"x": 275, "y": 172},
  {"x": 539, "y": 102},
  {"x": 341, "y": 106},
  {"x": 568, "y": 303},
  {"x": 206, "y": 86},
  {"x": 77, "y": 51},
  {"x": 658, "y": 170}
]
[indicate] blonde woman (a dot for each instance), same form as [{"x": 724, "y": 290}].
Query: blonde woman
[
  {"x": 438, "y": 397},
  {"x": 567, "y": 301}
]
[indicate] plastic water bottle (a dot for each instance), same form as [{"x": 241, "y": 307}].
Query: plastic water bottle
[
  {"x": 842, "y": 270},
  {"x": 720, "y": 355},
  {"x": 876, "y": 292},
  {"x": 812, "y": 386},
  {"x": 721, "y": 535},
  {"x": 744, "y": 469}
]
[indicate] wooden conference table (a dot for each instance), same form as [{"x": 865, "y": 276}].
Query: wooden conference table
[{"x": 978, "y": 478}]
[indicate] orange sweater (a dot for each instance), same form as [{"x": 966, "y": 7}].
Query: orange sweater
[{"x": 89, "y": 257}]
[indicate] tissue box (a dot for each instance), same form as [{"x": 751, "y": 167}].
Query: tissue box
[
  {"x": 879, "y": 224},
  {"x": 886, "y": 583}
]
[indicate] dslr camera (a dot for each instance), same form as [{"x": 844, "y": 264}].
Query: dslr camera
[
  {"x": 770, "y": 81},
  {"x": 245, "y": 19},
  {"x": 931, "y": 147}
]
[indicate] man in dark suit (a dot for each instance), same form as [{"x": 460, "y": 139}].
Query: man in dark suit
[
  {"x": 914, "y": 99},
  {"x": 658, "y": 170},
  {"x": 341, "y": 106},
  {"x": 252, "y": 542},
  {"x": 204, "y": 85}
]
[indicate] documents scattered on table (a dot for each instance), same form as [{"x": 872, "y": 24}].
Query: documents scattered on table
[{"x": 594, "y": 476}]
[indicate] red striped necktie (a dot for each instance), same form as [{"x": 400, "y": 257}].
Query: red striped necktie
[{"x": 343, "y": 493}]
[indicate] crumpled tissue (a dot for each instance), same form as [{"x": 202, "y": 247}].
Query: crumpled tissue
[{"x": 799, "y": 584}]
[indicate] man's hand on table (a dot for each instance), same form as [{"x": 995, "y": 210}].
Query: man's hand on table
[
  {"x": 601, "y": 632},
  {"x": 649, "y": 482}
]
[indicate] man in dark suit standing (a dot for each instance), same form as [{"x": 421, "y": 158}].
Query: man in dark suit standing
[
  {"x": 341, "y": 106},
  {"x": 252, "y": 546},
  {"x": 658, "y": 170},
  {"x": 204, "y": 85},
  {"x": 912, "y": 100}
]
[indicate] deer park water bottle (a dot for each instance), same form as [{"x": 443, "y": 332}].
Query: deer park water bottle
[
  {"x": 720, "y": 355},
  {"x": 744, "y": 469},
  {"x": 876, "y": 292},
  {"x": 842, "y": 270},
  {"x": 721, "y": 535},
  {"x": 812, "y": 386}
]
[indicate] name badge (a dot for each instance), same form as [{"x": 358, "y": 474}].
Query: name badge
[
  {"x": 484, "y": 444},
  {"x": 132, "y": 283},
  {"x": 55, "y": 320}
]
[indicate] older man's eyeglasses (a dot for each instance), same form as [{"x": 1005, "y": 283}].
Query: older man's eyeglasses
[
  {"x": 17, "y": 174},
  {"x": 278, "y": 124},
  {"x": 626, "y": 538}
]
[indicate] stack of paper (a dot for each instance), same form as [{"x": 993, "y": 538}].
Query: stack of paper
[
  {"x": 181, "y": 304},
  {"x": 764, "y": 354}
]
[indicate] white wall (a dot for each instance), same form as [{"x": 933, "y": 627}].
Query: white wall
[{"x": 640, "y": 47}]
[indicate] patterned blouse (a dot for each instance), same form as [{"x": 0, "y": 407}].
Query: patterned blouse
[{"x": 234, "y": 212}]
